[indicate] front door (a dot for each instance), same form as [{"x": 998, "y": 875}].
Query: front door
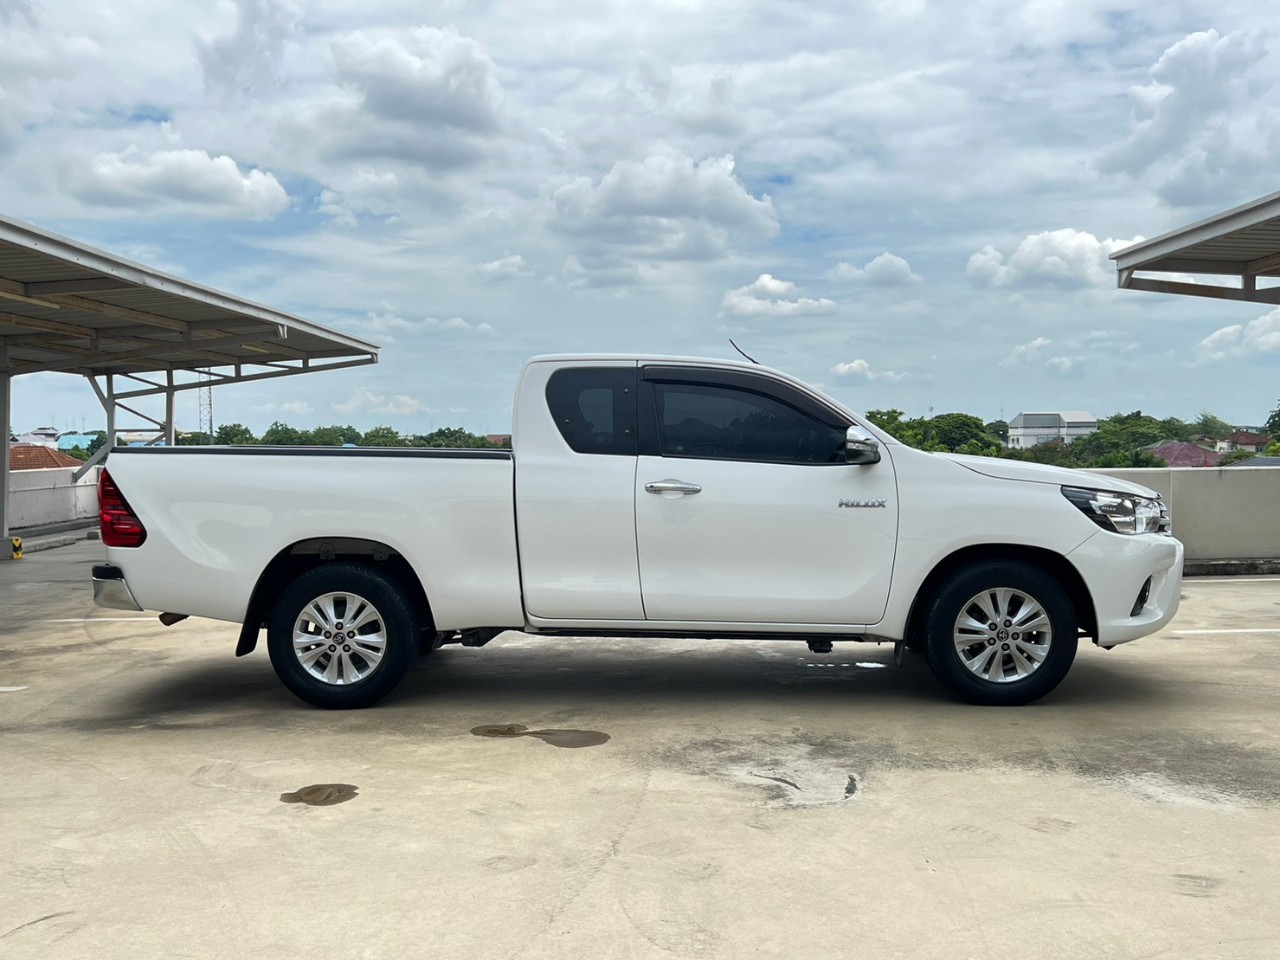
[{"x": 746, "y": 511}]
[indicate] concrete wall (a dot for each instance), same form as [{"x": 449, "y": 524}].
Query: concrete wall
[
  {"x": 49, "y": 496},
  {"x": 1226, "y": 513}
]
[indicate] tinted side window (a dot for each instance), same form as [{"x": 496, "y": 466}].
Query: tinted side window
[
  {"x": 595, "y": 408},
  {"x": 724, "y": 423}
]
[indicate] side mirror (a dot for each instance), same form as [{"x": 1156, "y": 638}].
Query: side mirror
[{"x": 860, "y": 448}]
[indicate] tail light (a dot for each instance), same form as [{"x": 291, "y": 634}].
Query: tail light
[{"x": 119, "y": 524}]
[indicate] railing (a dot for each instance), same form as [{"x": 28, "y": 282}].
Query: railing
[{"x": 50, "y": 496}]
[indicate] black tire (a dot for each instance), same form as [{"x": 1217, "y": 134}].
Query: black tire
[
  {"x": 986, "y": 654},
  {"x": 357, "y": 681}
]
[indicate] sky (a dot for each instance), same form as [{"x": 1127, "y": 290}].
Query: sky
[{"x": 907, "y": 203}]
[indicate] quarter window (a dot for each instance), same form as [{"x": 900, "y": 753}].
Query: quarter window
[
  {"x": 724, "y": 423},
  {"x": 595, "y": 408}
]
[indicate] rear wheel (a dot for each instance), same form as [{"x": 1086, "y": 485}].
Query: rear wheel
[
  {"x": 343, "y": 636},
  {"x": 1001, "y": 633}
]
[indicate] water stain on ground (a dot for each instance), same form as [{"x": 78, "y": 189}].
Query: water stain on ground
[
  {"x": 557, "y": 738},
  {"x": 321, "y": 794}
]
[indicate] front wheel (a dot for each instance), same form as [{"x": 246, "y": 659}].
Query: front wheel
[
  {"x": 1000, "y": 634},
  {"x": 343, "y": 636}
]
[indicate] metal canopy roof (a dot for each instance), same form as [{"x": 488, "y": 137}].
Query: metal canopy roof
[
  {"x": 1243, "y": 242},
  {"x": 68, "y": 307}
]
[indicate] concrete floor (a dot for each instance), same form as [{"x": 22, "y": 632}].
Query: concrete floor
[{"x": 753, "y": 800}]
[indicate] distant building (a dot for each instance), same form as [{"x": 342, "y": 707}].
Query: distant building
[
  {"x": 41, "y": 436},
  {"x": 1176, "y": 453},
  {"x": 1242, "y": 440},
  {"x": 499, "y": 439},
  {"x": 38, "y": 456},
  {"x": 1257, "y": 462},
  {"x": 1029, "y": 429},
  {"x": 69, "y": 441}
]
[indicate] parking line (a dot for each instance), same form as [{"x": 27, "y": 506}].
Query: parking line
[
  {"x": 95, "y": 620},
  {"x": 1232, "y": 580},
  {"x": 1245, "y": 630}
]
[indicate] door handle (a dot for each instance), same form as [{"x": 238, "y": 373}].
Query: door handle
[{"x": 672, "y": 486}]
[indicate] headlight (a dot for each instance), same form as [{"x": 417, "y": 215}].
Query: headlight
[{"x": 1120, "y": 512}]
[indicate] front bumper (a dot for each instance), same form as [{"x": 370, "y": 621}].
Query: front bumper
[
  {"x": 110, "y": 589},
  {"x": 1115, "y": 567}
]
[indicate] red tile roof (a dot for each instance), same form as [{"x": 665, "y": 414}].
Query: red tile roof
[
  {"x": 32, "y": 456},
  {"x": 1245, "y": 438},
  {"x": 1175, "y": 453}
]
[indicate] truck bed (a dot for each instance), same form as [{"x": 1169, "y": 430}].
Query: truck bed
[{"x": 217, "y": 516}]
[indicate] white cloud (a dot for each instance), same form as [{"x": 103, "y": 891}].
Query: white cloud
[
  {"x": 506, "y": 268},
  {"x": 766, "y": 297},
  {"x": 289, "y": 406},
  {"x": 1064, "y": 258},
  {"x": 250, "y": 55},
  {"x": 366, "y": 401},
  {"x": 1203, "y": 126},
  {"x": 886, "y": 270},
  {"x": 1025, "y": 353},
  {"x": 177, "y": 179},
  {"x": 861, "y": 370},
  {"x": 1242, "y": 340},
  {"x": 1060, "y": 364},
  {"x": 387, "y": 325},
  {"x": 667, "y": 207}
]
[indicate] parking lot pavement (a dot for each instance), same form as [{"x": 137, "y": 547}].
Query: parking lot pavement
[{"x": 752, "y": 799}]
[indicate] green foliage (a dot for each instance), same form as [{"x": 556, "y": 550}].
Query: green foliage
[
  {"x": 281, "y": 434},
  {"x": 1235, "y": 456},
  {"x": 233, "y": 434},
  {"x": 955, "y": 430},
  {"x": 998, "y": 429},
  {"x": 453, "y": 437},
  {"x": 334, "y": 436},
  {"x": 1273, "y": 449},
  {"x": 383, "y": 437},
  {"x": 80, "y": 453},
  {"x": 1207, "y": 425},
  {"x": 99, "y": 438},
  {"x": 1273, "y": 422}
]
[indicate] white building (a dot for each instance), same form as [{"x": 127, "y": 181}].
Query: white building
[
  {"x": 42, "y": 436},
  {"x": 1029, "y": 429}
]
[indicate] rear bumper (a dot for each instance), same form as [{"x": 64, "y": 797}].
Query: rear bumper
[
  {"x": 110, "y": 589},
  {"x": 1115, "y": 568}
]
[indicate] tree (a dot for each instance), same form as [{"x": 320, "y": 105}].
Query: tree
[
  {"x": 998, "y": 429},
  {"x": 954, "y": 430},
  {"x": 453, "y": 437},
  {"x": 234, "y": 434},
  {"x": 281, "y": 434},
  {"x": 99, "y": 438},
  {"x": 80, "y": 453},
  {"x": 383, "y": 437},
  {"x": 334, "y": 435},
  {"x": 1208, "y": 425},
  {"x": 1273, "y": 422},
  {"x": 1273, "y": 449}
]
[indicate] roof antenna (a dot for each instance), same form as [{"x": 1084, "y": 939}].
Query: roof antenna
[{"x": 743, "y": 352}]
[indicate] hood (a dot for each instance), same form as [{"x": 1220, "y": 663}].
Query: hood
[{"x": 1043, "y": 473}]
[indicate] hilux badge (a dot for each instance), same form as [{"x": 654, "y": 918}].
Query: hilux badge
[{"x": 862, "y": 503}]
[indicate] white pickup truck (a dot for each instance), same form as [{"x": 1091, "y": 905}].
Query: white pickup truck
[{"x": 646, "y": 497}]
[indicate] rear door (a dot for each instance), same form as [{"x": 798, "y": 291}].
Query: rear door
[
  {"x": 576, "y": 444},
  {"x": 746, "y": 511}
]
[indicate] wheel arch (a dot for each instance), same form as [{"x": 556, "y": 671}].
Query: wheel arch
[
  {"x": 304, "y": 555},
  {"x": 1054, "y": 564}
]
